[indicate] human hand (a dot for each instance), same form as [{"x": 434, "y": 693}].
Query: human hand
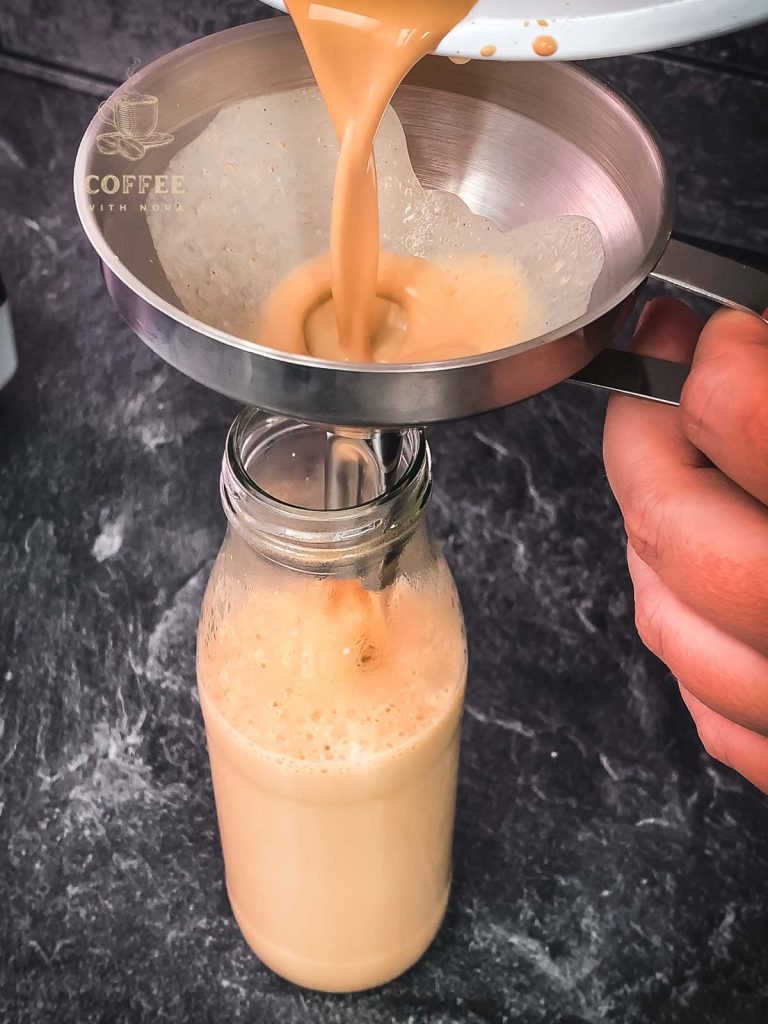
[{"x": 692, "y": 484}]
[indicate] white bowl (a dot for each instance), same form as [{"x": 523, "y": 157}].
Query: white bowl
[{"x": 591, "y": 28}]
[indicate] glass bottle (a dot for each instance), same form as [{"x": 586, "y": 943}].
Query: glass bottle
[{"x": 331, "y": 673}]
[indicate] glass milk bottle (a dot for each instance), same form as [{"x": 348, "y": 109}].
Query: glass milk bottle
[{"x": 331, "y": 672}]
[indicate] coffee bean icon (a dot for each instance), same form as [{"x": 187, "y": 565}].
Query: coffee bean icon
[
  {"x": 108, "y": 144},
  {"x": 131, "y": 149}
]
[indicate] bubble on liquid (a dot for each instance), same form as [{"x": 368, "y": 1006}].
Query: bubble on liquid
[{"x": 258, "y": 224}]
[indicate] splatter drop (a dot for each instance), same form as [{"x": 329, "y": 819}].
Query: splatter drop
[{"x": 544, "y": 46}]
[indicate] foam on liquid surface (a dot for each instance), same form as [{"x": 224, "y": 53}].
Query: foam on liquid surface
[
  {"x": 259, "y": 180},
  {"x": 320, "y": 670}
]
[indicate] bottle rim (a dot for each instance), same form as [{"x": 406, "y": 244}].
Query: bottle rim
[{"x": 318, "y": 539}]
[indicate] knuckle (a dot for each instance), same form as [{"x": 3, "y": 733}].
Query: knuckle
[
  {"x": 723, "y": 401},
  {"x": 644, "y": 518},
  {"x": 713, "y": 739},
  {"x": 650, "y": 622},
  {"x": 700, "y": 400}
]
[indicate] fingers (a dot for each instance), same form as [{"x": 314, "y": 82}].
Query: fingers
[
  {"x": 725, "y": 400},
  {"x": 698, "y": 551},
  {"x": 706, "y": 538},
  {"x": 725, "y": 674},
  {"x": 668, "y": 329},
  {"x": 735, "y": 746}
]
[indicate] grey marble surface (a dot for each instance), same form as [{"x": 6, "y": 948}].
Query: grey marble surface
[
  {"x": 605, "y": 868},
  {"x": 107, "y": 38},
  {"x": 745, "y": 51},
  {"x": 712, "y": 126}
]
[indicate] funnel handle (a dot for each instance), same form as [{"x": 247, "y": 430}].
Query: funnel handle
[
  {"x": 627, "y": 373},
  {"x": 714, "y": 277},
  {"x": 700, "y": 272}
]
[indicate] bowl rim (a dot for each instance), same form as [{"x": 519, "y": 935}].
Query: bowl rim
[{"x": 584, "y": 31}]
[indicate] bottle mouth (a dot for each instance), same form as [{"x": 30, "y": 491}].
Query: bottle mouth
[{"x": 322, "y": 499}]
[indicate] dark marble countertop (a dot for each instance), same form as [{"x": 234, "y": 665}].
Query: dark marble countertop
[{"x": 605, "y": 868}]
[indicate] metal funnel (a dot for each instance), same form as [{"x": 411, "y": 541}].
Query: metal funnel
[{"x": 518, "y": 142}]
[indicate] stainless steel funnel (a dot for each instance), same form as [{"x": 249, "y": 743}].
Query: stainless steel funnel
[{"x": 518, "y": 142}]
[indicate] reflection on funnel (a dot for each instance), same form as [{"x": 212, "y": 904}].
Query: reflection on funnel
[{"x": 259, "y": 181}]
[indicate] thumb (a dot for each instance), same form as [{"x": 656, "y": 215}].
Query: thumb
[{"x": 667, "y": 329}]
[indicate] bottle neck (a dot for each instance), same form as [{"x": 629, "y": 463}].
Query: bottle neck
[{"x": 280, "y": 476}]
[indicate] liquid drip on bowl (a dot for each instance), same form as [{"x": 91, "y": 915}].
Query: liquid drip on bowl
[{"x": 544, "y": 46}]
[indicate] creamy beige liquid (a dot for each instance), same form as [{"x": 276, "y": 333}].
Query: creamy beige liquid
[
  {"x": 332, "y": 718},
  {"x": 437, "y": 312},
  {"x": 361, "y": 304},
  {"x": 360, "y": 51}
]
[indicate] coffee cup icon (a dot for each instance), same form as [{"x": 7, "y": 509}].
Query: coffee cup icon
[{"x": 134, "y": 118}]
